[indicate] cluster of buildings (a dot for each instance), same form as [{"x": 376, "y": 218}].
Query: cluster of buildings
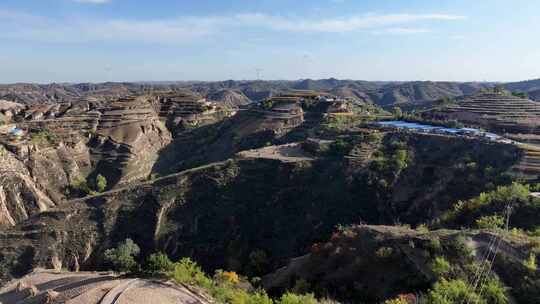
[{"x": 11, "y": 131}]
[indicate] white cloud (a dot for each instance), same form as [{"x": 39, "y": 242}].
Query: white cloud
[
  {"x": 186, "y": 29},
  {"x": 405, "y": 31},
  {"x": 336, "y": 25}
]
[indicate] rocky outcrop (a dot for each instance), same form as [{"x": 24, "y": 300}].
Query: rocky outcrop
[
  {"x": 210, "y": 212},
  {"x": 229, "y": 98},
  {"x": 127, "y": 140},
  {"x": 20, "y": 195},
  {"x": 181, "y": 111}
]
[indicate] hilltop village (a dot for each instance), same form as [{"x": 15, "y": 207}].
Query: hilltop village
[{"x": 303, "y": 193}]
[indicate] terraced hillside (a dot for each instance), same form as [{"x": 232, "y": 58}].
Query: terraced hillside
[
  {"x": 496, "y": 111},
  {"x": 515, "y": 118}
]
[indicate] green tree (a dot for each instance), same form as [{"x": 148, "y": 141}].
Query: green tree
[
  {"x": 398, "y": 113},
  {"x": 494, "y": 293},
  {"x": 490, "y": 222},
  {"x": 291, "y": 298},
  {"x": 530, "y": 262},
  {"x": 122, "y": 258},
  {"x": 158, "y": 263},
  {"x": 440, "y": 266},
  {"x": 451, "y": 292},
  {"x": 101, "y": 183},
  {"x": 187, "y": 271}
]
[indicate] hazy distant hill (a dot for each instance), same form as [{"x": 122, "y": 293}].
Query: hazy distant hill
[
  {"x": 524, "y": 86},
  {"x": 235, "y": 92},
  {"x": 535, "y": 95},
  {"x": 421, "y": 92}
]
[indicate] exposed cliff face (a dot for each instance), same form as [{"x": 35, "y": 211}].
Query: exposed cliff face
[
  {"x": 20, "y": 196},
  {"x": 252, "y": 128},
  {"x": 230, "y": 98},
  {"x": 128, "y": 139},
  {"x": 221, "y": 213}
]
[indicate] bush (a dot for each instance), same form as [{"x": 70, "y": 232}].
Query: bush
[
  {"x": 440, "y": 266},
  {"x": 259, "y": 297},
  {"x": 158, "y": 263},
  {"x": 435, "y": 244},
  {"x": 43, "y": 137},
  {"x": 384, "y": 252},
  {"x": 451, "y": 292},
  {"x": 494, "y": 293},
  {"x": 188, "y": 272},
  {"x": 401, "y": 159},
  {"x": 340, "y": 147},
  {"x": 291, "y": 298},
  {"x": 490, "y": 222},
  {"x": 224, "y": 287},
  {"x": 101, "y": 183},
  {"x": 457, "y": 291},
  {"x": 80, "y": 186},
  {"x": 122, "y": 258},
  {"x": 227, "y": 277},
  {"x": 530, "y": 262},
  {"x": 396, "y": 301}
]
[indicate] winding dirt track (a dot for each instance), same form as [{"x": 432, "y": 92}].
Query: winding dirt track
[{"x": 96, "y": 288}]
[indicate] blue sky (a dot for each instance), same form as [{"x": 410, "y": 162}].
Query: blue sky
[{"x": 127, "y": 40}]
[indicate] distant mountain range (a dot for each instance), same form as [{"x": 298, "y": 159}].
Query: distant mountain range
[{"x": 237, "y": 93}]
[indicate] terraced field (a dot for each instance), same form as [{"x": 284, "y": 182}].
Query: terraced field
[
  {"x": 496, "y": 111},
  {"x": 529, "y": 166}
]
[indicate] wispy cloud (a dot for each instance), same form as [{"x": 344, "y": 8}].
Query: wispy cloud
[
  {"x": 404, "y": 31},
  {"x": 186, "y": 29},
  {"x": 336, "y": 25}
]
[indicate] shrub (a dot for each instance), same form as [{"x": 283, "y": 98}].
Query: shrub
[
  {"x": 291, "y": 298},
  {"x": 122, "y": 258},
  {"x": 457, "y": 291},
  {"x": 490, "y": 222},
  {"x": 80, "y": 186},
  {"x": 43, "y": 137},
  {"x": 451, "y": 292},
  {"x": 459, "y": 247},
  {"x": 397, "y": 112},
  {"x": 340, "y": 147},
  {"x": 435, "y": 244},
  {"x": 188, "y": 272},
  {"x": 494, "y": 293},
  {"x": 101, "y": 183},
  {"x": 396, "y": 301},
  {"x": 384, "y": 252},
  {"x": 422, "y": 228},
  {"x": 530, "y": 262},
  {"x": 400, "y": 159},
  {"x": 259, "y": 297},
  {"x": 228, "y": 277},
  {"x": 440, "y": 266},
  {"x": 158, "y": 263},
  {"x": 301, "y": 286},
  {"x": 224, "y": 287}
]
